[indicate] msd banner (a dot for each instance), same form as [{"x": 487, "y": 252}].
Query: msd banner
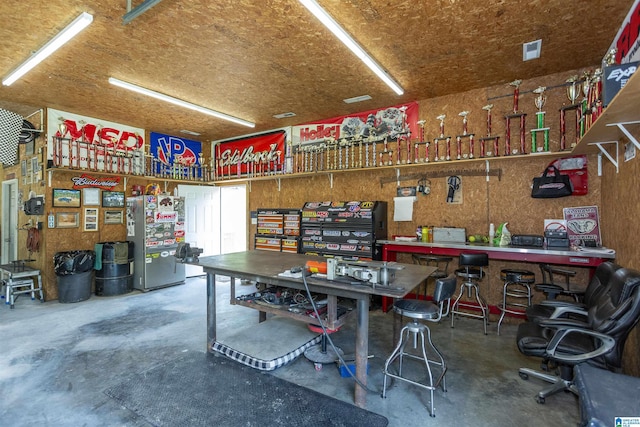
[
  {"x": 255, "y": 155},
  {"x": 169, "y": 150},
  {"x": 382, "y": 123}
]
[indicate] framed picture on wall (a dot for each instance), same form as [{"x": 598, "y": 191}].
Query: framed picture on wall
[
  {"x": 67, "y": 219},
  {"x": 91, "y": 196},
  {"x": 91, "y": 219},
  {"x": 113, "y": 199},
  {"x": 113, "y": 217},
  {"x": 65, "y": 198}
]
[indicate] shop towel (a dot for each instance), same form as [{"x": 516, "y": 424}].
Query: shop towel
[
  {"x": 403, "y": 208},
  {"x": 97, "y": 264},
  {"x": 121, "y": 252}
]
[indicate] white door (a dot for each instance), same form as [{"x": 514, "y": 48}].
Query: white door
[
  {"x": 233, "y": 219},
  {"x": 9, "y": 221},
  {"x": 202, "y": 218}
]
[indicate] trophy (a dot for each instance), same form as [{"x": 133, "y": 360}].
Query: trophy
[
  {"x": 416, "y": 155},
  {"x": 573, "y": 92},
  {"x": 596, "y": 96},
  {"x": 515, "y": 115},
  {"x": 437, "y": 140},
  {"x": 539, "y": 101},
  {"x": 584, "y": 109},
  {"x": 489, "y": 137},
  {"x": 465, "y": 134},
  {"x": 385, "y": 152}
]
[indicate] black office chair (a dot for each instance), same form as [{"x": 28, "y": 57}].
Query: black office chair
[
  {"x": 599, "y": 341},
  {"x": 553, "y": 308},
  {"x": 557, "y": 281},
  {"x": 431, "y": 311}
]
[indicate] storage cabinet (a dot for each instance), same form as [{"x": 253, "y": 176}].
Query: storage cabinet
[
  {"x": 346, "y": 229},
  {"x": 278, "y": 230}
]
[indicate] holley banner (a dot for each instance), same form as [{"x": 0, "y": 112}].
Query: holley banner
[{"x": 389, "y": 122}]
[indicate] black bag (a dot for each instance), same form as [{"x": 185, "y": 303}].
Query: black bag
[{"x": 549, "y": 186}]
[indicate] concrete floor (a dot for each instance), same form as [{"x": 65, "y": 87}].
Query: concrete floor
[{"x": 57, "y": 359}]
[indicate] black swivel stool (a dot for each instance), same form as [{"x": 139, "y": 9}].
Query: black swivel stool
[
  {"x": 471, "y": 269},
  {"x": 440, "y": 262},
  {"x": 517, "y": 287},
  {"x": 431, "y": 311}
]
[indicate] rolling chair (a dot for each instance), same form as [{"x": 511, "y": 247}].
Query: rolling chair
[
  {"x": 471, "y": 270},
  {"x": 431, "y": 311},
  {"x": 598, "y": 341},
  {"x": 557, "y": 281}
]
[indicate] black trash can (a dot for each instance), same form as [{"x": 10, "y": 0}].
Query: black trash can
[
  {"x": 74, "y": 273},
  {"x": 115, "y": 277}
]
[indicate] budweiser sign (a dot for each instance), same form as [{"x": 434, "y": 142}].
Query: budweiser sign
[{"x": 85, "y": 181}]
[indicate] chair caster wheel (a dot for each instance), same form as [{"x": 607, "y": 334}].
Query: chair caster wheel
[
  {"x": 318, "y": 366},
  {"x": 540, "y": 400},
  {"x": 524, "y": 376}
]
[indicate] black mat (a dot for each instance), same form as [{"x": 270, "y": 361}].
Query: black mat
[{"x": 203, "y": 389}]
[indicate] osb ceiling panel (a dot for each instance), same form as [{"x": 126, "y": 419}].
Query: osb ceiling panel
[{"x": 254, "y": 59}]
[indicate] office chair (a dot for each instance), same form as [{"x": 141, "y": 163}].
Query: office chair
[
  {"x": 599, "y": 341},
  {"x": 471, "y": 270},
  {"x": 431, "y": 311},
  {"x": 553, "y": 308},
  {"x": 557, "y": 281}
]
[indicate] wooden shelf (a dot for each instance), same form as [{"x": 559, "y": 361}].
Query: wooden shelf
[{"x": 622, "y": 110}]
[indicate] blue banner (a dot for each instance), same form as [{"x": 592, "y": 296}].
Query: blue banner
[{"x": 171, "y": 153}]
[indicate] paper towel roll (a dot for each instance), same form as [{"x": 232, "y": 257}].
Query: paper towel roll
[{"x": 403, "y": 208}]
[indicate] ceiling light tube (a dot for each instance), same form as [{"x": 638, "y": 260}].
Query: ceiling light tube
[
  {"x": 178, "y": 102},
  {"x": 348, "y": 41},
  {"x": 78, "y": 24}
]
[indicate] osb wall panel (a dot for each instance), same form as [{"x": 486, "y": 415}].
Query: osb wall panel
[
  {"x": 620, "y": 201},
  {"x": 504, "y": 199}
]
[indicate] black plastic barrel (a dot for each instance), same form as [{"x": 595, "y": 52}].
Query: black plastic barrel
[
  {"x": 116, "y": 275},
  {"x": 74, "y": 274}
]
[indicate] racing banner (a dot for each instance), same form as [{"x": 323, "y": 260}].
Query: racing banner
[
  {"x": 389, "y": 123},
  {"x": 251, "y": 155},
  {"x": 168, "y": 151}
]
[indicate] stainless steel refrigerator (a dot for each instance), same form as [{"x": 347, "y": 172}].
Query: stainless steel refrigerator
[{"x": 156, "y": 226}]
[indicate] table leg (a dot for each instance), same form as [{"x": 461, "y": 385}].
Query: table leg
[
  {"x": 362, "y": 350},
  {"x": 211, "y": 310}
]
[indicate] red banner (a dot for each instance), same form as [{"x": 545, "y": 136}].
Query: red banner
[
  {"x": 389, "y": 123},
  {"x": 254, "y": 155}
]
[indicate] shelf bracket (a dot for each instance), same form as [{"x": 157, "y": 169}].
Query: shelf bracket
[
  {"x": 628, "y": 134},
  {"x": 249, "y": 186},
  {"x": 397, "y": 177},
  {"x": 279, "y": 184},
  {"x": 604, "y": 152},
  {"x": 331, "y": 180}
]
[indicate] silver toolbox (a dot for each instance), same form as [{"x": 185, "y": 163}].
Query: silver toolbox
[{"x": 449, "y": 234}]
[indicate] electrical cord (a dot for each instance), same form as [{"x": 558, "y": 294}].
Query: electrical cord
[{"x": 305, "y": 273}]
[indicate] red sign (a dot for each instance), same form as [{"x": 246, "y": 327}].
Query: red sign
[
  {"x": 255, "y": 154},
  {"x": 85, "y": 180}
]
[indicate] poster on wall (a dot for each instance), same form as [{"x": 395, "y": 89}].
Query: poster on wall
[
  {"x": 389, "y": 123},
  {"x": 171, "y": 152},
  {"x": 627, "y": 41},
  {"x": 254, "y": 155},
  {"x": 84, "y": 142},
  {"x": 583, "y": 226}
]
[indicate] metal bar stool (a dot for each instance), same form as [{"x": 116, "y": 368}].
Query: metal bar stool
[
  {"x": 471, "y": 270},
  {"x": 440, "y": 262},
  {"x": 517, "y": 286},
  {"x": 431, "y": 311}
]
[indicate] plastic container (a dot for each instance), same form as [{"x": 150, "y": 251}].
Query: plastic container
[{"x": 116, "y": 275}]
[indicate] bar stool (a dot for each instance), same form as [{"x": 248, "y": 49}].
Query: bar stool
[
  {"x": 471, "y": 270},
  {"x": 431, "y": 311},
  {"x": 438, "y": 261},
  {"x": 517, "y": 286}
]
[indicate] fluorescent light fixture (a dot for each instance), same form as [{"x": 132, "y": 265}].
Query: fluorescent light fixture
[
  {"x": 531, "y": 50},
  {"x": 356, "y": 99},
  {"x": 78, "y": 24},
  {"x": 284, "y": 115},
  {"x": 348, "y": 41},
  {"x": 138, "y": 10},
  {"x": 179, "y": 102},
  {"x": 190, "y": 132}
]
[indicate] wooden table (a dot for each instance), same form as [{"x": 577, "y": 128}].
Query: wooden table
[{"x": 264, "y": 267}]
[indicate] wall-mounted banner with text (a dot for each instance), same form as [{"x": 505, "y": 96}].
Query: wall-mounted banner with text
[
  {"x": 170, "y": 153},
  {"x": 251, "y": 155},
  {"x": 390, "y": 123}
]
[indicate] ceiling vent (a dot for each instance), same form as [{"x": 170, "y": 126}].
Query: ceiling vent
[
  {"x": 284, "y": 115},
  {"x": 357, "y": 99},
  {"x": 531, "y": 50}
]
